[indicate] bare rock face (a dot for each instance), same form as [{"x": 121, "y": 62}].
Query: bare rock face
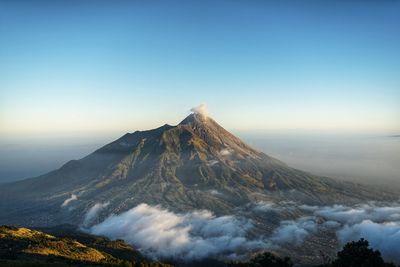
[{"x": 196, "y": 164}]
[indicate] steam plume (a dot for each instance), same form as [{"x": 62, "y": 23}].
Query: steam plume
[{"x": 201, "y": 109}]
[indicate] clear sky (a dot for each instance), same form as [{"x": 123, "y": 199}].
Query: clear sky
[{"x": 117, "y": 66}]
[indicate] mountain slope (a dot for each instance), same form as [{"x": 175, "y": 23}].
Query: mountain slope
[{"x": 194, "y": 165}]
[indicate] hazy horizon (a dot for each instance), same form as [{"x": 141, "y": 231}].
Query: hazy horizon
[{"x": 364, "y": 158}]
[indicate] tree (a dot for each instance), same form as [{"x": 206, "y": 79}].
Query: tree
[
  {"x": 359, "y": 254},
  {"x": 265, "y": 259}
]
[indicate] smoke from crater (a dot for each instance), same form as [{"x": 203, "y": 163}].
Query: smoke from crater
[{"x": 201, "y": 109}]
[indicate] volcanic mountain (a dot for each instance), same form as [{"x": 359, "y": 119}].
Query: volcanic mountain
[{"x": 196, "y": 164}]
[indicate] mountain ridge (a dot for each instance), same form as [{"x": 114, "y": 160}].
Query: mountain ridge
[{"x": 196, "y": 164}]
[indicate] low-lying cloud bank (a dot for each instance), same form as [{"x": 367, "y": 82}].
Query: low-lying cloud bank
[
  {"x": 383, "y": 236},
  {"x": 376, "y": 222},
  {"x": 269, "y": 206},
  {"x": 380, "y": 225},
  {"x": 194, "y": 235},
  {"x": 294, "y": 232},
  {"x": 93, "y": 212}
]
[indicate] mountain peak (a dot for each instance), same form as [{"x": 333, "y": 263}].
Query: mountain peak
[
  {"x": 194, "y": 118},
  {"x": 201, "y": 109}
]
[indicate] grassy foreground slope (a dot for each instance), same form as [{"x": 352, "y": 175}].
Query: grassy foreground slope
[{"x": 28, "y": 247}]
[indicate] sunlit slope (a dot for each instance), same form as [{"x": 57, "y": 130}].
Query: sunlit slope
[{"x": 27, "y": 247}]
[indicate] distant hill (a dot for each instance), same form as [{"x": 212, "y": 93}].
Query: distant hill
[{"x": 28, "y": 247}]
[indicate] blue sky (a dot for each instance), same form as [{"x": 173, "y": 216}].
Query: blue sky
[{"x": 117, "y": 66}]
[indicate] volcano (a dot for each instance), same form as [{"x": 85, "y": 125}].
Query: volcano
[{"x": 196, "y": 164}]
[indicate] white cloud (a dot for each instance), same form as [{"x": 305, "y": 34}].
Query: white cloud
[
  {"x": 266, "y": 206},
  {"x": 331, "y": 224},
  {"x": 215, "y": 192},
  {"x": 92, "y": 213},
  {"x": 382, "y": 236},
  {"x": 344, "y": 214},
  {"x": 225, "y": 152},
  {"x": 294, "y": 232},
  {"x": 380, "y": 225},
  {"x": 68, "y": 200},
  {"x": 201, "y": 109},
  {"x": 162, "y": 233},
  {"x": 212, "y": 162},
  {"x": 309, "y": 208}
]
